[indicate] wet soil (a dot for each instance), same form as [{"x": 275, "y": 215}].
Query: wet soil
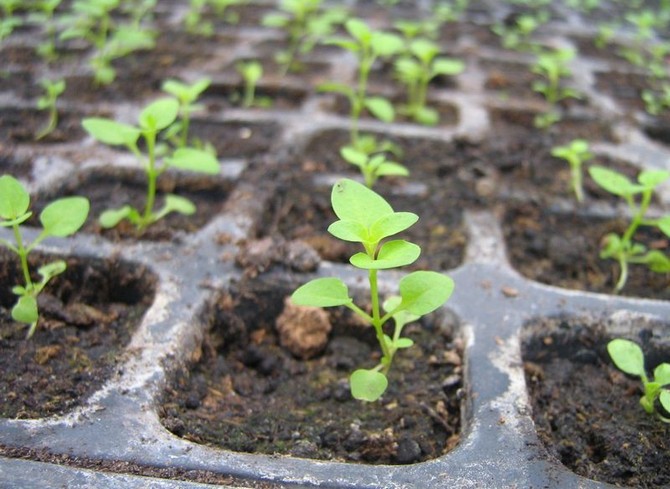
[
  {"x": 246, "y": 393},
  {"x": 23, "y": 125},
  {"x": 587, "y": 412},
  {"x": 88, "y": 315},
  {"x": 562, "y": 249},
  {"x": 114, "y": 189}
]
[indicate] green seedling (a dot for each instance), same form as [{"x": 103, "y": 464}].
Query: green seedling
[
  {"x": 7, "y": 26},
  {"x": 366, "y": 218},
  {"x": 584, "y": 5},
  {"x": 186, "y": 95},
  {"x": 61, "y": 218},
  {"x": 153, "y": 119},
  {"x": 123, "y": 41},
  {"x": 518, "y": 34},
  {"x": 43, "y": 15},
  {"x": 305, "y": 24},
  {"x": 372, "y": 166},
  {"x": 52, "y": 90},
  {"x": 628, "y": 358},
  {"x": 575, "y": 153},
  {"x": 606, "y": 33},
  {"x": 368, "y": 46},
  {"x": 623, "y": 248},
  {"x": 553, "y": 67},
  {"x": 415, "y": 29},
  {"x": 450, "y": 10},
  {"x": 90, "y": 20},
  {"x": 195, "y": 18},
  {"x": 416, "y": 70},
  {"x": 657, "y": 101},
  {"x": 9, "y": 6},
  {"x": 251, "y": 72}
]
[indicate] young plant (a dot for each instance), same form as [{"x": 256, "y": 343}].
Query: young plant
[
  {"x": 366, "y": 218},
  {"x": 251, "y": 72},
  {"x": 628, "y": 357},
  {"x": 416, "y": 70},
  {"x": 305, "y": 25},
  {"x": 186, "y": 95},
  {"x": 372, "y": 166},
  {"x": 575, "y": 153},
  {"x": 553, "y": 67},
  {"x": 195, "y": 18},
  {"x": 155, "y": 118},
  {"x": 623, "y": 248},
  {"x": 43, "y": 14},
  {"x": 450, "y": 10},
  {"x": 367, "y": 45},
  {"x": 517, "y": 35},
  {"x": 52, "y": 90},
  {"x": 60, "y": 218}
]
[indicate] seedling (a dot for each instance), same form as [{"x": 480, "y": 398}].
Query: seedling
[
  {"x": 52, "y": 90},
  {"x": 186, "y": 95},
  {"x": 517, "y": 35},
  {"x": 372, "y": 166},
  {"x": 622, "y": 248},
  {"x": 251, "y": 72},
  {"x": 366, "y": 218},
  {"x": 61, "y": 218},
  {"x": 416, "y": 71},
  {"x": 552, "y": 66},
  {"x": 305, "y": 25},
  {"x": 367, "y": 45},
  {"x": 155, "y": 118},
  {"x": 195, "y": 22},
  {"x": 575, "y": 153},
  {"x": 450, "y": 10},
  {"x": 656, "y": 102},
  {"x": 415, "y": 29},
  {"x": 44, "y": 15},
  {"x": 628, "y": 357}
]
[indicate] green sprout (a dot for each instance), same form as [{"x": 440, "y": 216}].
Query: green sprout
[
  {"x": 656, "y": 101},
  {"x": 518, "y": 34},
  {"x": 606, "y": 33},
  {"x": 622, "y": 248},
  {"x": 416, "y": 70},
  {"x": 372, "y": 166},
  {"x": 61, "y": 218},
  {"x": 305, "y": 25},
  {"x": 195, "y": 22},
  {"x": 628, "y": 357},
  {"x": 366, "y": 218},
  {"x": 7, "y": 26},
  {"x": 251, "y": 71},
  {"x": 367, "y": 45},
  {"x": 450, "y": 10},
  {"x": 44, "y": 15},
  {"x": 552, "y": 66},
  {"x": 153, "y": 119},
  {"x": 575, "y": 153},
  {"x": 186, "y": 95},
  {"x": 415, "y": 29},
  {"x": 52, "y": 90},
  {"x": 584, "y": 5}
]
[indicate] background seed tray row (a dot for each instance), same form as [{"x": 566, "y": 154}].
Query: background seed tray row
[{"x": 496, "y": 309}]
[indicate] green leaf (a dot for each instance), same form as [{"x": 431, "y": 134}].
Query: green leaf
[
  {"x": 349, "y": 231},
  {"x": 50, "y": 270},
  {"x": 386, "y": 44},
  {"x": 404, "y": 343},
  {"x": 14, "y": 199},
  {"x": 25, "y": 310},
  {"x": 627, "y": 356},
  {"x": 110, "y": 218},
  {"x": 613, "y": 181},
  {"x": 662, "y": 374},
  {"x": 354, "y": 156},
  {"x": 353, "y": 201},
  {"x": 449, "y": 67},
  {"x": 393, "y": 254},
  {"x": 175, "y": 203},
  {"x": 357, "y": 29},
  {"x": 381, "y": 108},
  {"x": 390, "y": 168},
  {"x": 334, "y": 87},
  {"x": 423, "y": 291},
  {"x": 392, "y": 224},
  {"x": 664, "y": 398},
  {"x": 65, "y": 216},
  {"x": 367, "y": 385},
  {"x": 652, "y": 178},
  {"x": 193, "y": 159},
  {"x": 322, "y": 292},
  {"x": 351, "y": 46},
  {"x": 427, "y": 116},
  {"x": 664, "y": 225},
  {"x": 657, "y": 261},
  {"x": 159, "y": 114},
  {"x": 275, "y": 20},
  {"x": 111, "y": 132}
]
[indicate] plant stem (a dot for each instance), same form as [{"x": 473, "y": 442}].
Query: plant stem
[
  {"x": 152, "y": 175},
  {"x": 576, "y": 177},
  {"x": 23, "y": 257},
  {"x": 376, "y": 321}
]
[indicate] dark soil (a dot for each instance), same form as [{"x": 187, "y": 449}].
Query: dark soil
[
  {"x": 236, "y": 139},
  {"x": 221, "y": 96},
  {"x": 109, "y": 190},
  {"x": 22, "y": 125},
  {"x": 246, "y": 393},
  {"x": 88, "y": 315},
  {"x": 587, "y": 412},
  {"x": 562, "y": 249}
]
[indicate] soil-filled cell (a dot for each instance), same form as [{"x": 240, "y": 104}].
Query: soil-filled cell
[
  {"x": 586, "y": 411},
  {"x": 87, "y": 317},
  {"x": 248, "y": 393}
]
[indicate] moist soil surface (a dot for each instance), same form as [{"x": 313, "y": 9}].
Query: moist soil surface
[
  {"x": 87, "y": 316},
  {"x": 246, "y": 393},
  {"x": 587, "y": 412}
]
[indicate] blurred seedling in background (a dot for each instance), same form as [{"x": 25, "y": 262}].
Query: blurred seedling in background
[
  {"x": 575, "y": 153},
  {"x": 196, "y": 18},
  {"x": 251, "y": 72},
  {"x": 154, "y": 118},
  {"x": 52, "y": 90},
  {"x": 372, "y": 166},
  {"x": 366, "y": 218},
  {"x": 629, "y": 358},
  {"x": 516, "y": 33},
  {"x": 186, "y": 95},
  {"x": 61, "y": 218},
  {"x": 623, "y": 248},
  {"x": 552, "y": 66}
]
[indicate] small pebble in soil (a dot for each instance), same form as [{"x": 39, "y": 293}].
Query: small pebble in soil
[
  {"x": 408, "y": 452},
  {"x": 303, "y": 330}
]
